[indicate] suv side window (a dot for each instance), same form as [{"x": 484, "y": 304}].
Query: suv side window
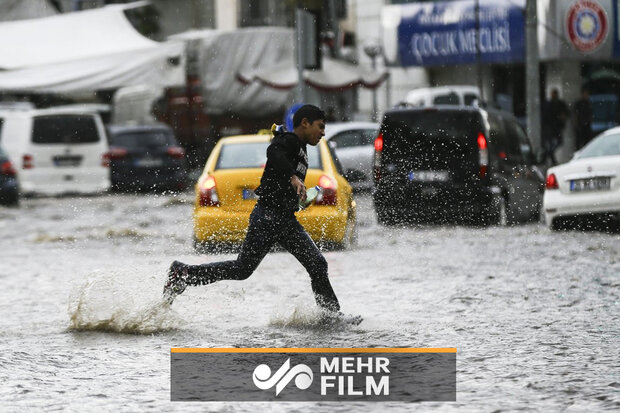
[
  {"x": 513, "y": 147},
  {"x": 497, "y": 134},
  {"x": 517, "y": 134},
  {"x": 506, "y": 142}
]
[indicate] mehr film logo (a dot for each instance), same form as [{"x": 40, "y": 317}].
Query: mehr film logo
[
  {"x": 336, "y": 372},
  {"x": 313, "y": 374}
]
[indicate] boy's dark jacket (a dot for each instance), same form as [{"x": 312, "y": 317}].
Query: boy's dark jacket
[{"x": 286, "y": 155}]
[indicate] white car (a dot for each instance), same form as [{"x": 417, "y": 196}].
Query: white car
[
  {"x": 56, "y": 150},
  {"x": 587, "y": 187},
  {"x": 353, "y": 143}
]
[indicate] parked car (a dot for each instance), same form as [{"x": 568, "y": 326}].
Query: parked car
[
  {"x": 461, "y": 95},
  {"x": 9, "y": 189},
  {"x": 225, "y": 194},
  {"x": 585, "y": 192},
  {"x": 445, "y": 162},
  {"x": 146, "y": 157},
  {"x": 353, "y": 144},
  {"x": 56, "y": 150}
]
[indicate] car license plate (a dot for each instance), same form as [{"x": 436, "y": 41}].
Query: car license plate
[
  {"x": 590, "y": 184},
  {"x": 429, "y": 176},
  {"x": 148, "y": 162},
  {"x": 67, "y": 160},
  {"x": 249, "y": 194}
]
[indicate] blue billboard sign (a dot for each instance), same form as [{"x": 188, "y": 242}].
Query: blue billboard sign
[{"x": 445, "y": 33}]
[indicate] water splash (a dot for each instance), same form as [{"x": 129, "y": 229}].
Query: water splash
[
  {"x": 113, "y": 302},
  {"x": 313, "y": 319}
]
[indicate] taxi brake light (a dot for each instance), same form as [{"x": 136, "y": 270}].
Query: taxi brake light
[
  {"x": 208, "y": 193},
  {"x": 328, "y": 194}
]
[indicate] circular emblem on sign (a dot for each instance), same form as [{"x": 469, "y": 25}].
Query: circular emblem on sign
[{"x": 586, "y": 25}]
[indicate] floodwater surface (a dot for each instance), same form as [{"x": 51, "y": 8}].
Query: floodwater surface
[{"x": 534, "y": 314}]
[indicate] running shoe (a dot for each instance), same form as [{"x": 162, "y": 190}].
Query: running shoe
[{"x": 176, "y": 282}]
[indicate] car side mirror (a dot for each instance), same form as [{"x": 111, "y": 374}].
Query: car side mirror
[{"x": 333, "y": 144}]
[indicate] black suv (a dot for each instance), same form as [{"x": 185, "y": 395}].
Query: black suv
[{"x": 443, "y": 163}]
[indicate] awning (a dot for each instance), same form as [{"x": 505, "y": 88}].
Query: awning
[
  {"x": 252, "y": 70},
  {"x": 335, "y": 75},
  {"x": 444, "y": 32},
  {"x": 85, "y": 51}
]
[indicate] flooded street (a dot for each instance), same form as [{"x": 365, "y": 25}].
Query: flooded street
[{"x": 535, "y": 315}]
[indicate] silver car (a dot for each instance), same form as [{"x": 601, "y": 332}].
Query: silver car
[{"x": 353, "y": 143}]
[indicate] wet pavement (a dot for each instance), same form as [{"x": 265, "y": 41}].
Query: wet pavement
[{"x": 534, "y": 314}]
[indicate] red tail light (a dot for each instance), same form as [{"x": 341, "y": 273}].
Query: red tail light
[
  {"x": 112, "y": 154},
  {"x": 378, "y": 155},
  {"x": 379, "y": 143},
  {"x": 552, "y": 182},
  {"x": 175, "y": 152},
  {"x": 328, "y": 195},
  {"x": 27, "y": 162},
  {"x": 7, "y": 169},
  {"x": 483, "y": 155},
  {"x": 208, "y": 192}
]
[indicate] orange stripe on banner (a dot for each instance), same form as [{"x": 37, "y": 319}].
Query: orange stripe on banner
[{"x": 314, "y": 350}]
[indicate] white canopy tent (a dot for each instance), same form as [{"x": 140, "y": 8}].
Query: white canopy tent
[
  {"x": 85, "y": 51},
  {"x": 253, "y": 69}
]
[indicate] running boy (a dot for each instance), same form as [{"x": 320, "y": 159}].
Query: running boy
[{"x": 273, "y": 218}]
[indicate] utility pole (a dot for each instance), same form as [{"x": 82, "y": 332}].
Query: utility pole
[
  {"x": 373, "y": 51},
  {"x": 333, "y": 22},
  {"x": 300, "y": 46},
  {"x": 478, "y": 57},
  {"x": 532, "y": 74}
]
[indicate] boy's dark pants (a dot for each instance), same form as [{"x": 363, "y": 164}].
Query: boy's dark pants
[{"x": 266, "y": 228}]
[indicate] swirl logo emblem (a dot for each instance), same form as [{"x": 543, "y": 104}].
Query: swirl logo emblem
[{"x": 264, "y": 380}]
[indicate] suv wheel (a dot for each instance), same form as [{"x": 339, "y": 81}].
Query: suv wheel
[{"x": 497, "y": 214}]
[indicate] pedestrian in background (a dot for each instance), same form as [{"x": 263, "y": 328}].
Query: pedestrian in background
[
  {"x": 583, "y": 119},
  {"x": 555, "y": 115}
]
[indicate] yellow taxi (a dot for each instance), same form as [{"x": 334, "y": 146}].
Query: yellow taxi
[{"x": 225, "y": 194}]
